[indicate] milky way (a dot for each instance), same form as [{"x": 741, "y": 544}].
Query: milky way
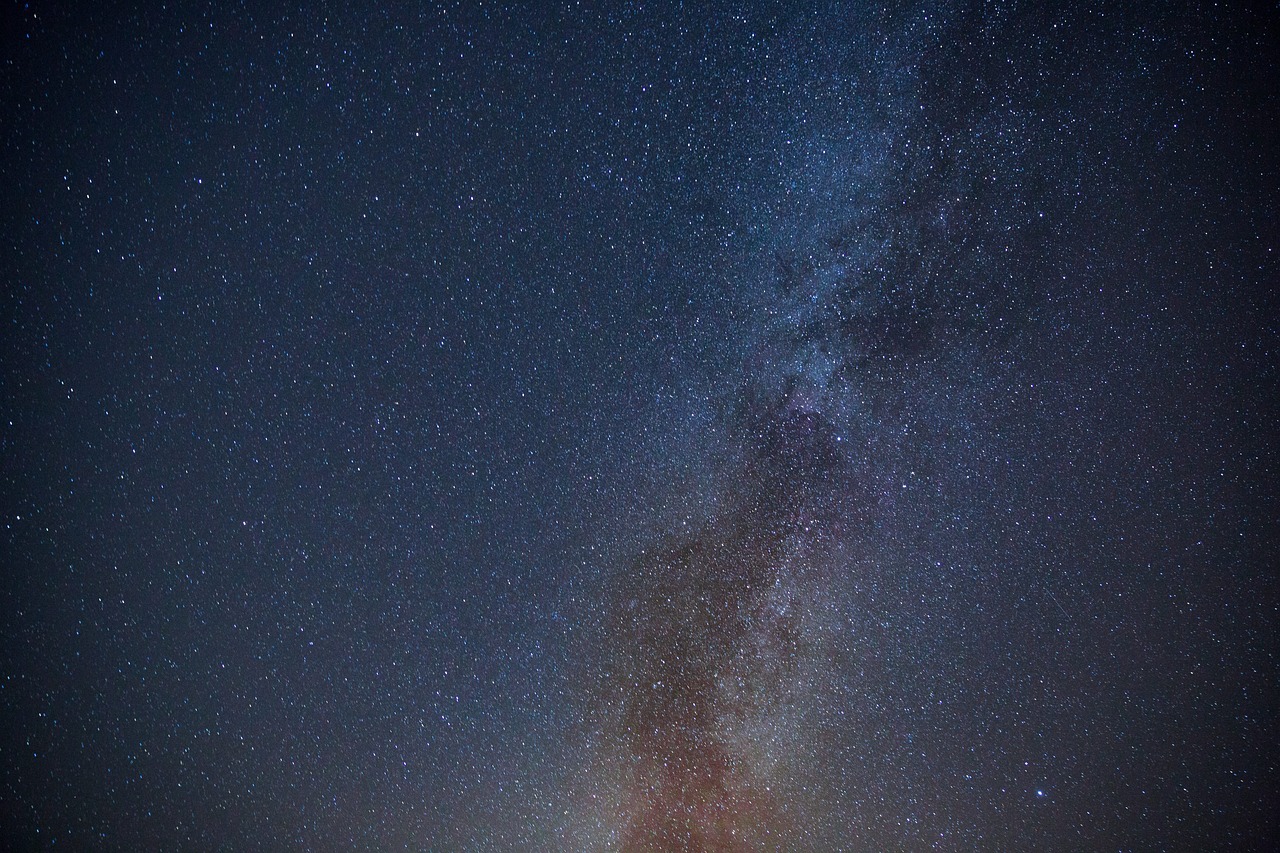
[
  {"x": 730, "y": 643},
  {"x": 624, "y": 427}
]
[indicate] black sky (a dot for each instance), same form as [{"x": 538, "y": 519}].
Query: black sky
[{"x": 732, "y": 427}]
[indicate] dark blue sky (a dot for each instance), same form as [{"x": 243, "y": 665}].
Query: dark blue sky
[{"x": 799, "y": 427}]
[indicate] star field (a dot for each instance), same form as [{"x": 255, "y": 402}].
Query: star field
[{"x": 806, "y": 427}]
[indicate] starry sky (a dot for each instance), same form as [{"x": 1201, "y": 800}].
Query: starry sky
[{"x": 639, "y": 427}]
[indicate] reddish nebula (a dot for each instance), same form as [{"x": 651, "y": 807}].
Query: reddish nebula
[
  {"x": 710, "y": 642},
  {"x": 700, "y": 649},
  {"x": 693, "y": 619}
]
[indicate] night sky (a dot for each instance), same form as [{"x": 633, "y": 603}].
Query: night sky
[{"x": 600, "y": 427}]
